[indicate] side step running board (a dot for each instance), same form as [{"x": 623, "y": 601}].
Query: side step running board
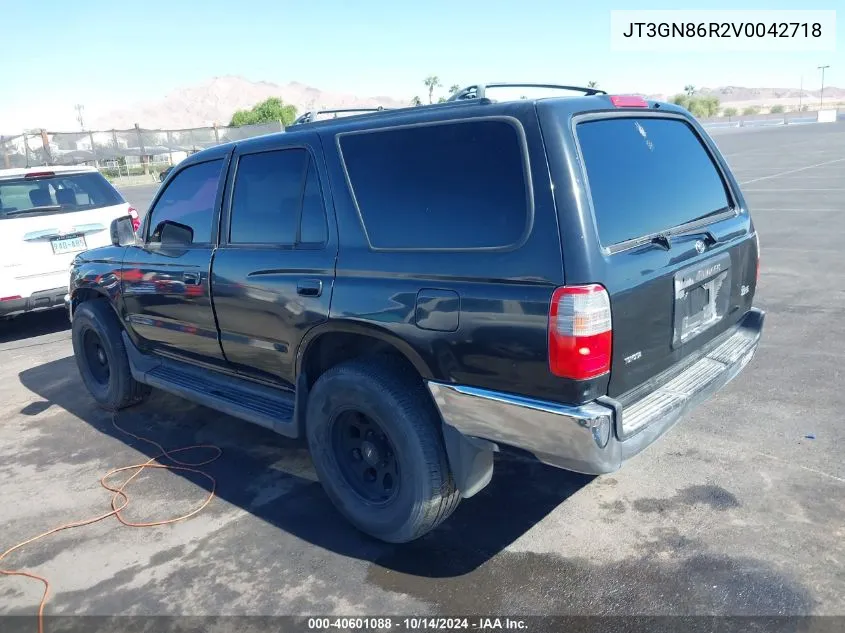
[{"x": 235, "y": 396}]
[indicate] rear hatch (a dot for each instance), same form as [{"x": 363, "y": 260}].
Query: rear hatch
[
  {"x": 663, "y": 228},
  {"x": 47, "y": 217}
]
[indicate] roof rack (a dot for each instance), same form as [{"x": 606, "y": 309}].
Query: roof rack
[
  {"x": 309, "y": 116},
  {"x": 478, "y": 91}
]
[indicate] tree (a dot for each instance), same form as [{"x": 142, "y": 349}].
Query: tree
[
  {"x": 697, "y": 106},
  {"x": 777, "y": 109},
  {"x": 751, "y": 110},
  {"x": 592, "y": 84},
  {"x": 431, "y": 82},
  {"x": 681, "y": 100},
  {"x": 689, "y": 89},
  {"x": 269, "y": 110},
  {"x": 454, "y": 88},
  {"x": 729, "y": 112},
  {"x": 416, "y": 101}
]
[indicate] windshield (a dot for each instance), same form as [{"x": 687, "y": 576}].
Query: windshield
[
  {"x": 647, "y": 175},
  {"x": 57, "y": 193}
]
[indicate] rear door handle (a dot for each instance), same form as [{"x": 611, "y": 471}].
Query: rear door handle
[
  {"x": 191, "y": 279},
  {"x": 309, "y": 287}
]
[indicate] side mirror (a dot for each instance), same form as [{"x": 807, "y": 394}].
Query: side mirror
[
  {"x": 172, "y": 233},
  {"x": 122, "y": 233}
]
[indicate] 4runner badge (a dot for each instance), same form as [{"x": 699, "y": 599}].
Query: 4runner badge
[{"x": 635, "y": 356}]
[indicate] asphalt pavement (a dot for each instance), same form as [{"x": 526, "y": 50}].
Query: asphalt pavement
[{"x": 739, "y": 510}]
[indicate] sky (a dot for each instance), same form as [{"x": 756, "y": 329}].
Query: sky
[{"x": 106, "y": 55}]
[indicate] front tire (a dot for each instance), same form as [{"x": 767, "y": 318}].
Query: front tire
[
  {"x": 101, "y": 357},
  {"x": 375, "y": 439}
]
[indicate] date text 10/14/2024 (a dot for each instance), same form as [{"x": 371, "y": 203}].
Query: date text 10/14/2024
[{"x": 476, "y": 623}]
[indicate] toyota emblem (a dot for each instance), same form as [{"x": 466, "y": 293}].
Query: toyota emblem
[{"x": 700, "y": 246}]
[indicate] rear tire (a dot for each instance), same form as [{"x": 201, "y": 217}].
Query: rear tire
[
  {"x": 390, "y": 477},
  {"x": 101, "y": 357}
]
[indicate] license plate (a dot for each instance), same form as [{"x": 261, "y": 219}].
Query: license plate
[
  {"x": 702, "y": 294},
  {"x": 68, "y": 244}
]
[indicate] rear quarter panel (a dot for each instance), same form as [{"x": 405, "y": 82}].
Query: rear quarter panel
[{"x": 499, "y": 337}]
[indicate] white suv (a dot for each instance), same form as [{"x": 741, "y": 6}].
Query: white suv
[{"x": 47, "y": 214}]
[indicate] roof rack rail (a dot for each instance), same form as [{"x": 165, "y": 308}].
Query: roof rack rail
[
  {"x": 309, "y": 116},
  {"x": 478, "y": 91}
]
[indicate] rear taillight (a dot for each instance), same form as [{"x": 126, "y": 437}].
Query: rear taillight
[
  {"x": 136, "y": 219},
  {"x": 628, "y": 101},
  {"x": 580, "y": 332},
  {"x": 12, "y": 298}
]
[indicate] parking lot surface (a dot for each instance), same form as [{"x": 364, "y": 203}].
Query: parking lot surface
[{"x": 740, "y": 509}]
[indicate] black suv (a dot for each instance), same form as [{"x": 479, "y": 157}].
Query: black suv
[{"x": 412, "y": 289}]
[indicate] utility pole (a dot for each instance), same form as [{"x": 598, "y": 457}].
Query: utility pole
[
  {"x": 801, "y": 93},
  {"x": 79, "y": 108},
  {"x": 821, "y": 94}
]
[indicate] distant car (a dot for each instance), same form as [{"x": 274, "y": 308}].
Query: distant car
[
  {"x": 47, "y": 215},
  {"x": 164, "y": 174}
]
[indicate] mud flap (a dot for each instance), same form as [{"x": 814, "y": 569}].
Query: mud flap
[{"x": 471, "y": 460}]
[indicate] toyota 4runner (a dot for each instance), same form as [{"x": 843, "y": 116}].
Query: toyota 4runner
[{"x": 412, "y": 289}]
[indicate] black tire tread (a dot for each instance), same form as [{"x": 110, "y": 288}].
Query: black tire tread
[
  {"x": 404, "y": 387},
  {"x": 129, "y": 392}
]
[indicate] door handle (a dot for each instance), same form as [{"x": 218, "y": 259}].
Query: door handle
[
  {"x": 191, "y": 279},
  {"x": 309, "y": 287}
]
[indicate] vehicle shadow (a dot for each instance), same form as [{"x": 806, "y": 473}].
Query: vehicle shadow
[
  {"x": 272, "y": 478},
  {"x": 33, "y": 324}
]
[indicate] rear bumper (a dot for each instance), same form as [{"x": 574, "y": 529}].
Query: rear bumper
[
  {"x": 597, "y": 437},
  {"x": 37, "y": 301}
]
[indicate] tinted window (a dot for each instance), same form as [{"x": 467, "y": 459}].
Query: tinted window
[
  {"x": 59, "y": 193},
  {"x": 189, "y": 199},
  {"x": 458, "y": 185},
  {"x": 267, "y": 197},
  {"x": 647, "y": 175},
  {"x": 272, "y": 191},
  {"x": 313, "y": 229}
]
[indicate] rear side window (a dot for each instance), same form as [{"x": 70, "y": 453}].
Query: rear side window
[
  {"x": 647, "y": 175},
  {"x": 57, "y": 193},
  {"x": 277, "y": 200},
  {"x": 446, "y": 186}
]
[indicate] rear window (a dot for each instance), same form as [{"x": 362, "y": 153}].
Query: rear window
[
  {"x": 59, "y": 193},
  {"x": 647, "y": 175},
  {"x": 445, "y": 186}
]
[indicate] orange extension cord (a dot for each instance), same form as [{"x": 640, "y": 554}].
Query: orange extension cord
[{"x": 120, "y": 494}]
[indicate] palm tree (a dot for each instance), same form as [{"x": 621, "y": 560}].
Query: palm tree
[
  {"x": 431, "y": 82},
  {"x": 689, "y": 89},
  {"x": 416, "y": 101},
  {"x": 454, "y": 88},
  {"x": 592, "y": 84}
]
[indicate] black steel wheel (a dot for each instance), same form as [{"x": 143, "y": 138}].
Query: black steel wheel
[
  {"x": 95, "y": 356},
  {"x": 97, "y": 338},
  {"x": 365, "y": 456},
  {"x": 376, "y": 442}
]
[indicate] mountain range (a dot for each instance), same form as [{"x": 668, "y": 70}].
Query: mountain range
[{"x": 215, "y": 100}]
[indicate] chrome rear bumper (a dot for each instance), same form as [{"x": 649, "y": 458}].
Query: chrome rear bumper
[{"x": 597, "y": 437}]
